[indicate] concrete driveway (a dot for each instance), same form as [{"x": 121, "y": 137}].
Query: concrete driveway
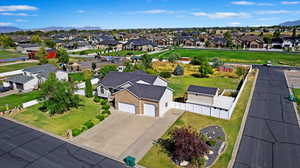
[{"x": 123, "y": 134}]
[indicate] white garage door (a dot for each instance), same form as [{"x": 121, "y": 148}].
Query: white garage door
[
  {"x": 149, "y": 110},
  {"x": 129, "y": 108}
]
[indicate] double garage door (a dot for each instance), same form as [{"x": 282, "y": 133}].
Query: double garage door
[{"x": 149, "y": 109}]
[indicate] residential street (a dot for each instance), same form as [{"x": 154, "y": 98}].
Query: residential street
[
  {"x": 271, "y": 138},
  {"x": 22, "y": 147}
]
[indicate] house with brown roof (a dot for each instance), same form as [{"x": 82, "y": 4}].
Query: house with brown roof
[{"x": 251, "y": 41}]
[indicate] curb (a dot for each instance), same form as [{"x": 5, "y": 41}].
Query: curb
[
  {"x": 238, "y": 140},
  {"x": 294, "y": 103}
]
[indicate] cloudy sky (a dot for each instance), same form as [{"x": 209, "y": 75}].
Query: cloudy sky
[{"x": 146, "y": 13}]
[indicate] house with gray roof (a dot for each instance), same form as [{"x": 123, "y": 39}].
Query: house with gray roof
[
  {"x": 137, "y": 93},
  {"x": 140, "y": 44},
  {"x": 33, "y": 76},
  {"x": 201, "y": 95}
]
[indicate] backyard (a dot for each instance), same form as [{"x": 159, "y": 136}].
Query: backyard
[
  {"x": 59, "y": 124},
  {"x": 156, "y": 157},
  {"x": 14, "y": 67},
  {"x": 8, "y": 54},
  {"x": 124, "y": 53},
  {"x": 277, "y": 58},
  {"x": 18, "y": 99}
]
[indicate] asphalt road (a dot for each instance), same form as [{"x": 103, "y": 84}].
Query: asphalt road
[
  {"x": 271, "y": 138},
  {"x": 22, "y": 147}
]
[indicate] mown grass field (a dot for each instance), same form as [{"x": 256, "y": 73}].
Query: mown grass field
[
  {"x": 18, "y": 99},
  {"x": 157, "y": 158},
  {"x": 181, "y": 83},
  {"x": 14, "y": 67},
  {"x": 277, "y": 58},
  {"x": 124, "y": 53},
  {"x": 59, "y": 124},
  {"x": 8, "y": 54},
  {"x": 85, "y": 52}
]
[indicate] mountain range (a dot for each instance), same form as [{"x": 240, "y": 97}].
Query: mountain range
[
  {"x": 8, "y": 29},
  {"x": 291, "y": 23}
]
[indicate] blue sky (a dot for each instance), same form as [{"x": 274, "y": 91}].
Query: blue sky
[{"x": 146, "y": 13}]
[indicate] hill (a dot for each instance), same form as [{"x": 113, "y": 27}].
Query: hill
[{"x": 291, "y": 23}]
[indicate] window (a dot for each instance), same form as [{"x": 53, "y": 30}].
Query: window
[
  {"x": 102, "y": 90},
  {"x": 166, "y": 104}
]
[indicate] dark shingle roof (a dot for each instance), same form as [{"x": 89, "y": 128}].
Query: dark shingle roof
[
  {"x": 20, "y": 79},
  {"x": 202, "y": 90},
  {"x": 109, "y": 42},
  {"x": 42, "y": 70},
  {"x": 141, "y": 42},
  {"x": 151, "y": 92},
  {"x": 115, "y": 79}
]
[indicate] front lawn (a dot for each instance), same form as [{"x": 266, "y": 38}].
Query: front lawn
[
  {"x": 156, "y": 158},
  {"x": 59, "y": 124},
  {"x": 15, "y": 67},
  {"x": 238, "y": 56},
  {"x": 124, "y": 53},
  {"x": 8, "y": 54},
  {"x": 180, "y": 83},
  {"x": 86, "y": 52},
  {"x": 76, "y": 77},
  {"x": 18, "y": 99}
]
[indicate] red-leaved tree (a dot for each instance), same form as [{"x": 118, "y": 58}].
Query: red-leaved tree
[{"x": 187, "y": 144}]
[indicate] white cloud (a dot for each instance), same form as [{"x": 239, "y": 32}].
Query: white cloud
[
  {"x": 21, "y": 20},
  {"x": 290, "y": 2},
  {"x": 11, "y": 8},
  {"x": 223, "y": 15},
  {"x": 272, "y": 12},
  {"x": 234, "y": 24},
  {"x": 247, "y": 3},
  {"x": 15, "y": 14},
  {"x": 243, "y": 3},
  {"x": 5, "y": 24},
  {"x": 81, "y": 11}
]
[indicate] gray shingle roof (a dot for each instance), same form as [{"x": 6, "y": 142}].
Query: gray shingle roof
[
  {"x": 22, "y": 79},
  {"x": 42, "y": 70},
  {"x": 151, "y": 92},
  {"x": 141, "y": 42},
  {"x": 202, "y": 90},
  {"x": 115, "y": 79}
]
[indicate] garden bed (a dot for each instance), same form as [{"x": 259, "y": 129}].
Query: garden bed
[{"x": 215, "y": 135}]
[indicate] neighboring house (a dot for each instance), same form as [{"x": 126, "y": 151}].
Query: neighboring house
[
  {"x": 218, "y": 42},
  {"x": 201, "y": 95},
  {"x": 137, "y": 93},
  {"x": 32, "y": 77},
  {"x": 251, "y": 41},
  {"x": 51, "y": 53},
  {"x": 27, "y": 47},
  {"x": 140, "y": 44},
  {"x": 110, "y": 44}
]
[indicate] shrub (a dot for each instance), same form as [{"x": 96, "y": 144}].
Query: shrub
[
  {"x": 103, "y": 102},
  {"x": 97, "y": 99},
  {"x": 83, "y": 128},
  {"x": 100, "y": 117},
  {"x": 165, "y": 74},
  {"x": 76, "y": 132},
  {"x": 211, "y": 142},
  {"x": 89, "y": 124},
  {"x": 178, "y": 70},
  {"x": 106, "y": 112},
  {"x": 105, "y": 107}
]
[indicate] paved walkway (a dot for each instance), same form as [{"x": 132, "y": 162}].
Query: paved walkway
[
  {"x": 123, "y": 134},
  {"x": 271, "y": 138},
  {"x": 10, "y": 92}
]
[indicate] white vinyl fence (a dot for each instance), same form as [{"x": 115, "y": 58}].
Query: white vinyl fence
[
  {"x": 82, "y": 84},
  {"x": 30, "y": 103},
  {"x": 202, "y": 109}
]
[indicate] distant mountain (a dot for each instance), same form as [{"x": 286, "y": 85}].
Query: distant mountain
[
  {"x": 291, "y": 23},
  {"x": 8, "y": 29}
]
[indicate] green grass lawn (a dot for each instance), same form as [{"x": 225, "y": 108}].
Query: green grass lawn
[
  {"x": 156, "y": 158},
  {"x": 85, "y": 52},
  {"x": 14, "y": 67},
  {"x": 76, "y": 77},
  {"x": 124, "y": 53},
  {"x": 59, "y": 124},
  {"x": 181, "y": 83},
  {"x": 18, "y": 99},
  {"x": 297, "y": 94},
  {"x": 8, "y": 54},
  {"x": 239, "y": 56}
]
